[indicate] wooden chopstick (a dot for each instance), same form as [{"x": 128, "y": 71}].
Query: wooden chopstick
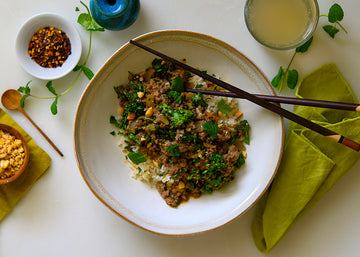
[
  {"x": 261, "y": 102},
  {"x": 286, "y": 100}
]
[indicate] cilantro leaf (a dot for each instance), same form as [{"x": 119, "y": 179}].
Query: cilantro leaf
[
  {"x": 174, "y": 150},
  {"x": 136, "y": 158},
  {"x": 223, "y": 107},
  {"x": 211, "y": 128}
]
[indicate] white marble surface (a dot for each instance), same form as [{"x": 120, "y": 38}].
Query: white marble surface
[{"x": 60, "y": 216}]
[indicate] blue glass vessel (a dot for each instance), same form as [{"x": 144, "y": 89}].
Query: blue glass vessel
[{"x": 115, "y": 14}]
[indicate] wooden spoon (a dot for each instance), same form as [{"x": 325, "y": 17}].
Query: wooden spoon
[{"x": 10, "y": 99}]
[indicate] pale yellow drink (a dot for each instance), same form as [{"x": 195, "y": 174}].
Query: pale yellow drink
[{"x": 280, "y": 23}]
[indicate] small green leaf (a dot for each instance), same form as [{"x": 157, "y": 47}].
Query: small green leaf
[
  {"x": 22, "y": 100},
  {"x": 88, "y": 73},
  {"x": 174, "y": 150},
  {"x": 178, "y": 84},
  {"x": 114, "y": 122},
  {"x": 113, "y": 133},
  {"x": 77, "y": 9},
  {"x": 87, "y": 21},
  {"x": 336, "y": 13},
  {"x": 292, "y": 78},
  {"x": 303, "y": 48},
  {"x": 77, "y": 67},
  {"x": 53, "y": 106},
  {"x": 51, "y": 88},
  {"x": 211, "y": 128},
  {"x": 136, "y": 158},
  {"x": 175, "y": 95},
  {"x": 331, "y": 30},
  {"x": 223, "y": 107},
  {"x": 244, "y": 126},
  {"x": 275, "y": 81},
  {"x": 156, "y": 64}
]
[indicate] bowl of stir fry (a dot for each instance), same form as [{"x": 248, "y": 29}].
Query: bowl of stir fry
[{"x": 170, "y": 161}]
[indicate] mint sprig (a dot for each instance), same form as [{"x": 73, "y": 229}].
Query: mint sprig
[
  {"x": 335, "y": 15},
  {"x": 289, "y": 76}
]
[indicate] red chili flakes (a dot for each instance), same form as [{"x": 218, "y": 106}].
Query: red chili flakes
[{"x": 49, "y": 47}]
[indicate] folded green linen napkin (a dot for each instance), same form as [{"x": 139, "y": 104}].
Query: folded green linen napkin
[
  {"x": 39, "y": 162},
  {"x": 311, "y": 164}
]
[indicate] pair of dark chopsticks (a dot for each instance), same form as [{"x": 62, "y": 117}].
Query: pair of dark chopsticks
[{"x": 259, "y": 100}]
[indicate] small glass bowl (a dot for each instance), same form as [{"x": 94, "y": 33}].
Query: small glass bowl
[
  {"x": 29, "y": 28},
  {"x": 312, "y": 10},
  {"x": 14, "y": 132}
]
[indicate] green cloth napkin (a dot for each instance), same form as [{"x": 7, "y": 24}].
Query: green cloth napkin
[
  {"x": 39, "y": 162},
  {"x": 311, "y": 164}
]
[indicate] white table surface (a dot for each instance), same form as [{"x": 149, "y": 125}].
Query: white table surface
[{"x": 60, "y": 216}]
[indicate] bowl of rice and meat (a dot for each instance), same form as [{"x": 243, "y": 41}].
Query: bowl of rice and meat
[
  {"x": 170, "y": 161},
  {"x": 184, "y": 144}
]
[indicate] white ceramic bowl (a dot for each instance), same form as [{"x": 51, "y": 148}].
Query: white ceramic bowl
[
  {"x": 100, "y": 158},
  {"x": 29, "y": 28}
]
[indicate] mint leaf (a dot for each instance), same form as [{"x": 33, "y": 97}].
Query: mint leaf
[
  {"x": 292, "y": 79},
  {"x": 77, "y": 67},
  {"x": 303, "y": 48},
  {"x": 174, "y": 150},
  {"x": 51, "y": 88},
  {"x": 88, "y": 73},
  {"x": 223, "y": 107},
  {"x": 211, "y": 128},
  {"x": 53, "y": 106},
  {"x": 87, "y": 21},
  {"x": 178, "y": 84},
  {"x": 276, "y": 80},
  {"x": 22, "y": 100},
  {"x": 136, "y": 158},
  {"x": 336, "y": 13},
  {"x": 331, "y": 30}
]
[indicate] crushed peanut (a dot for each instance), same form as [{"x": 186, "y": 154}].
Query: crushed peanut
[
  {"x": 12, "y": 155},
  {"x": 238, "y": 114}
]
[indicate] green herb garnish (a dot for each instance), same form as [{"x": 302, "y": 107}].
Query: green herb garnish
[
  {"x": 245, "y": 128},
  {"x": 211, "y": 128},
  {"x": 335, "y": 15},
  {"x": 223, "y": 107},
  {"x": 290, "y": 76},
  {"x": 174, "y": 150},
  {"x": 136, "y": 158},
  {"x": 198, "y": 100},
  {"x": 177, "y": 84}
]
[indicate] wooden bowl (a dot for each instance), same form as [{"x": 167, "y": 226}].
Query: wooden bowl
[{"x": 8, "y": 129}]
